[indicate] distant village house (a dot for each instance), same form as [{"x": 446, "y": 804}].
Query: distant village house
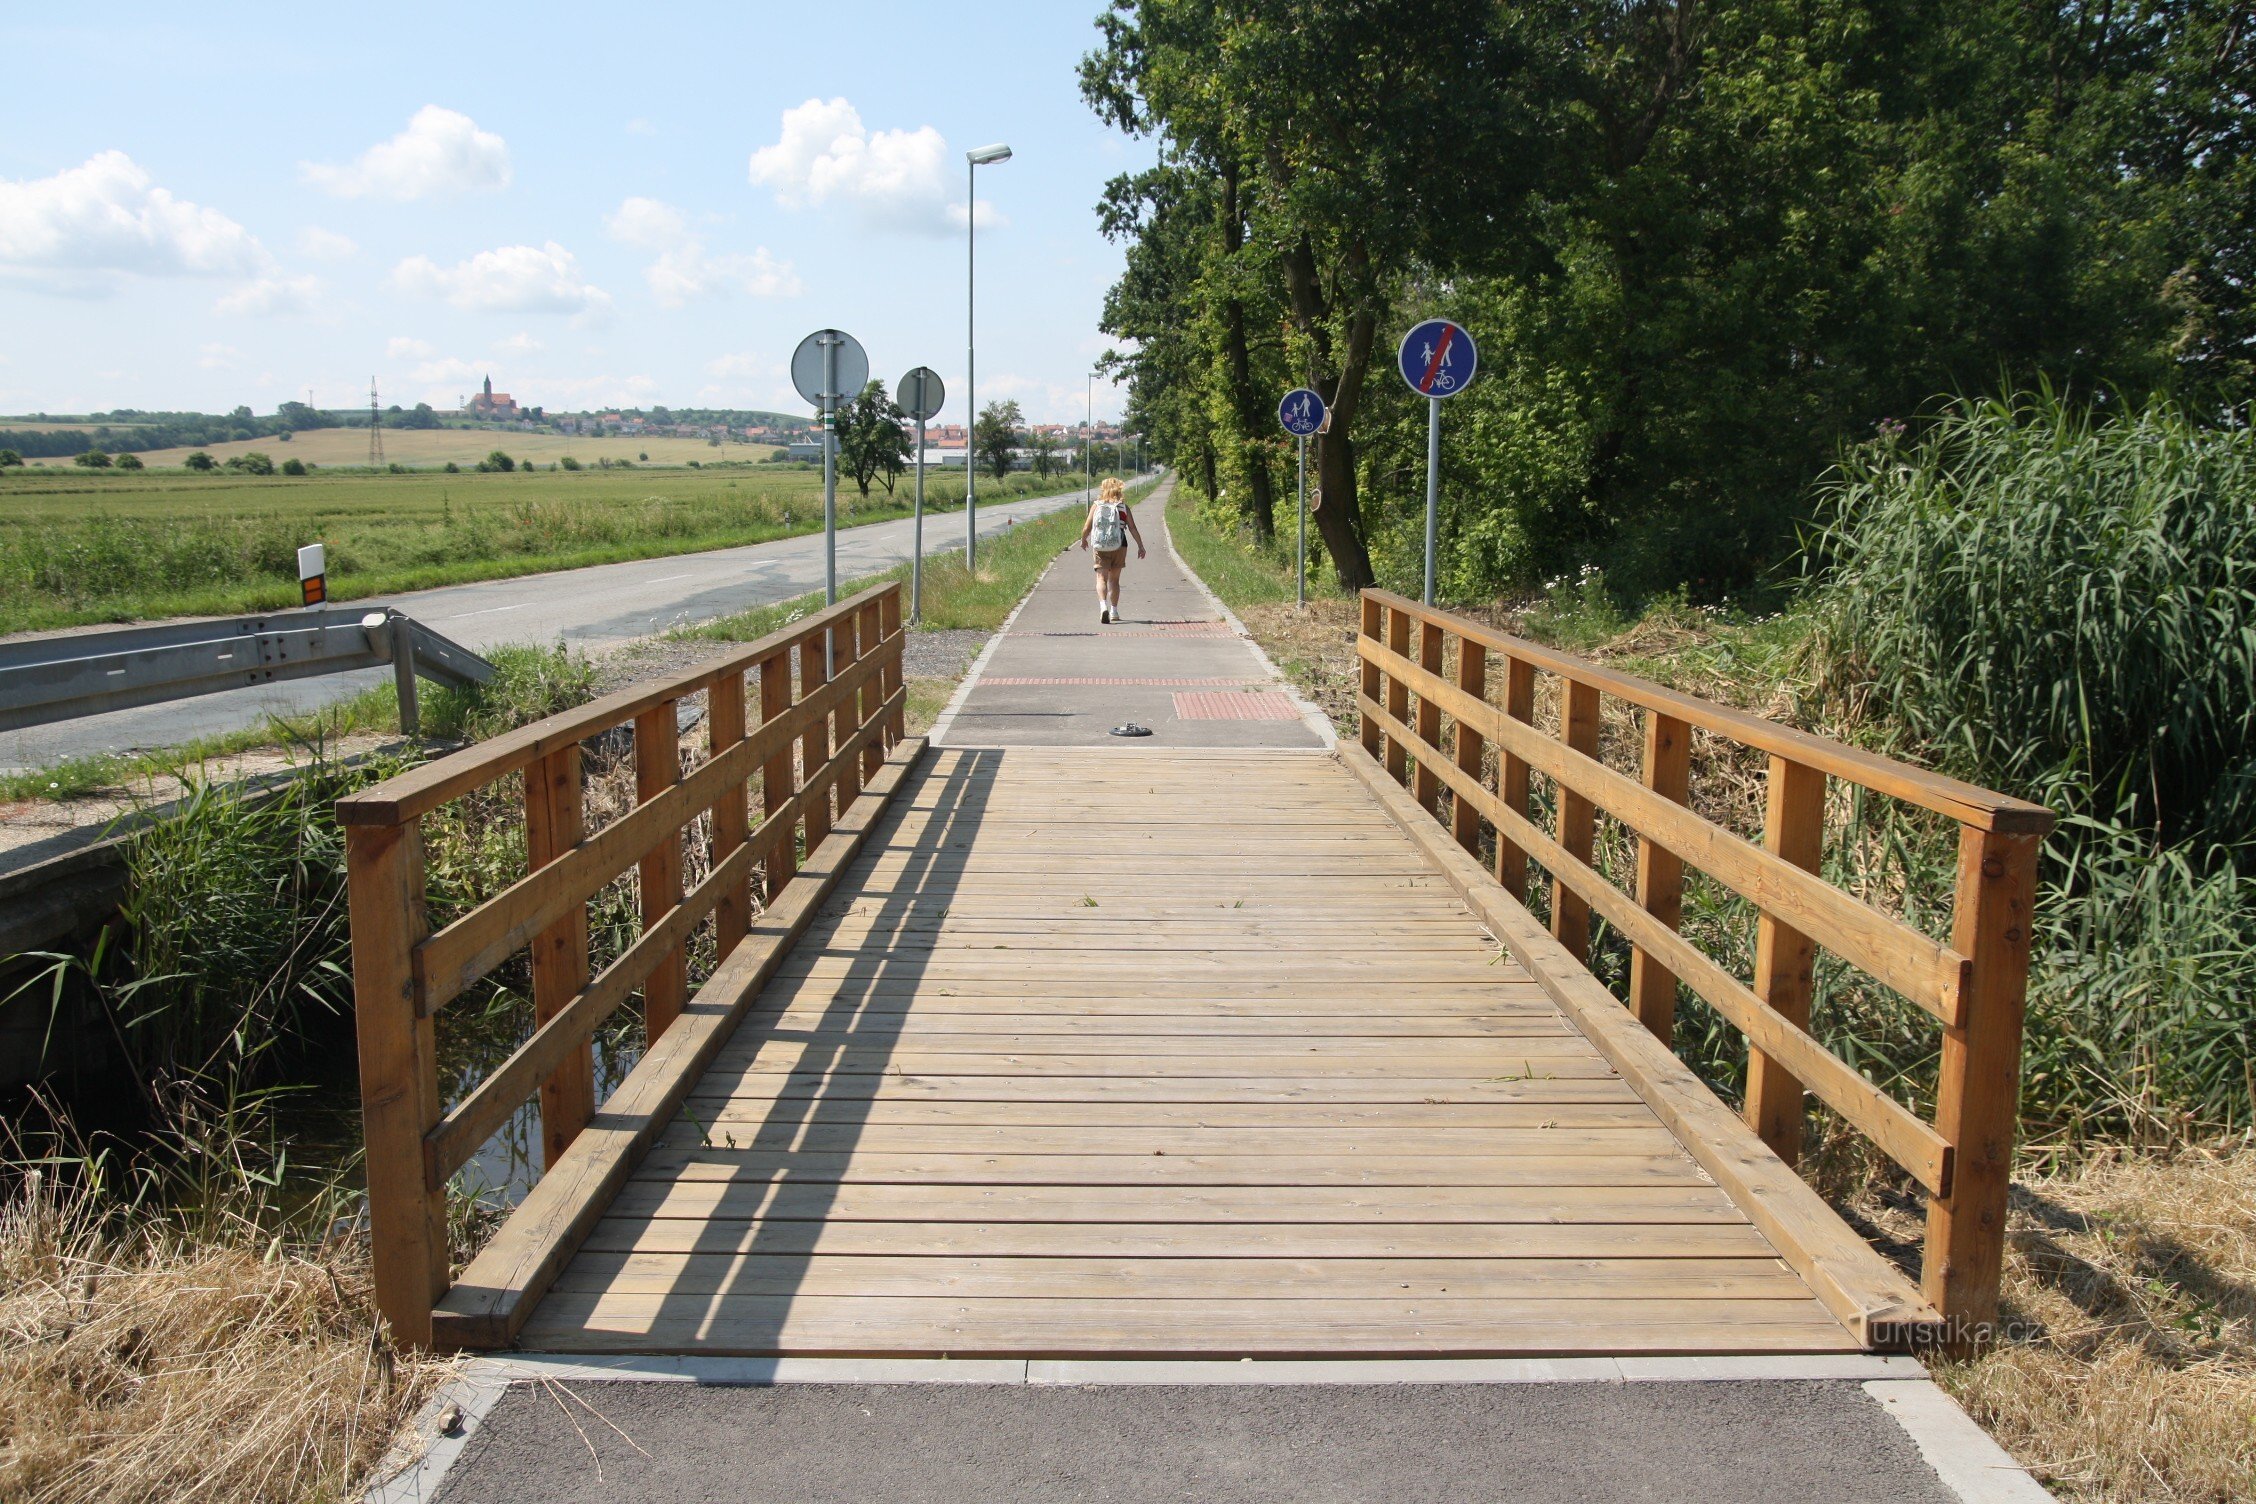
[{"x": 492, "y": 404}]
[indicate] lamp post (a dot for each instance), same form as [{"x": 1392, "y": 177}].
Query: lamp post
[
  {"x": 1089, "y": 430},
  {"x": 985, "y": 156}
]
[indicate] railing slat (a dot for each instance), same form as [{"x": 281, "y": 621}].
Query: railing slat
[
  {"x": 1398, "y": 692},
  {"x": 779, "y": 851},
  {"x": 1472, "y": 678},
  {"x": 1785, "y": 958},
  {"x": 1428, "y": 788},
  {"x": 846, "y": 648},
  {"x": 1577, "y": 817},
  {"x": 1374, "y": 621},
  {"x": 1512, "y": 774},
  {"x": 731, "y": 814},
  {"x": 814, "y": 744},
  {"x": 554, "y": 823},
  {"x": 1660, "y": 874}
]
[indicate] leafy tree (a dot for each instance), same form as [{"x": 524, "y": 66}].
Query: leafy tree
[
  {"x": 293, "y": 466},
  {"x": 130, "y": 462},
  {"x": 200, "y": 461},
  {"x": 421, "y": 417},
  {"x": 1045, "y": 447},
  {"x": 251, "y": 462},
  {"x": 9, "y": 459},
  {"x": 995, "y": 435},
  {"x": 569, "y": 463},
  {"x": 296, "y": 416},
  {"x": 92, "y": 459},
  {"x": 497, "y": 461},
  {"x": 451, "y": 468},
  {"x": 872, "y": 444},
  {"x": 241, "y": 415}
]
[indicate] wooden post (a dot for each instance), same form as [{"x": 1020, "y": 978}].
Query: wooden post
[
  {"x": 732, "y": 824},
  {"x": 1373, "y": 614},
  {"x": 814, "y": 742},
  {"x": 873, "y": 696},
  {"x": 1979, "y": 1088},
  {"x": 1578, "y": 817},
  {"x": 889, "y": 624},
  {"x": 1428, "y": 783},
  {"x": 399, "y": 1076},
  {"x": 781, "y": 858},
  {"x": 554, "y": 823},
  {"x": 657, "y": 734},
  {"x": 1785, "y": 958},
  {"x": 1512, "y": 776},
  {"x": 1472, "y": 678},
  {"x": 847, "y": 637},
  {"x": 1398, "y": 693},
  {"x": 1660, "y": 873}
]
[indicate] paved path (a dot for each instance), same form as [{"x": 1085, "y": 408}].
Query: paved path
[
  {"x": 1174, "y": 664},
  {"x": 598, "y": 607}
]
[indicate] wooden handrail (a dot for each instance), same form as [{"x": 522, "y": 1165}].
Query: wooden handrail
[
  {"x": 842, "y": 724},
  {"x": 1973, "y": 986}
]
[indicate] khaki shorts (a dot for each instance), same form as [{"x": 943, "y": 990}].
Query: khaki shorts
[{"x": 1112, "y": 558}]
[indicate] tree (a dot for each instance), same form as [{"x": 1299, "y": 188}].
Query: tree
[
  {"x": 92, "y": 459},
  {"x": 293, "y": 466},
  {"x": 199, "y": 461},
  {"x": 497, "y": 461},
  {"x": 1045, "y": 447},
  {"x": 252, "y": 463},
  {"x": 130, "y": 462},
  {"x": 995, "y": 435},
  {"x": 294, "y": 416},
  {"x": 871, "y": 441},
  {"x": 10, "y": 460},
  {"x": 569, "y": 463}
]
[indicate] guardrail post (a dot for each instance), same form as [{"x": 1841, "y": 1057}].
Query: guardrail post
[
  {"x": 1431, "y": 643},
  {"x": 403, "y": 674},
  {"x": 889, "y": 625},
  {"x": 1373, "y": 618},
  {"x": 1979, "y": 1086},
  {"x": 399, "y": 1075},
  {"x": 554, "y": 823},
  {"x": 1578, "y": 817},
  {"x": 732, "y": 824},
  {"x": 1512, "y": 776},
  {"x": 1472, "y": 678},
  {"x": 1660, "y": 874},
  {"x": 777, "y": 784},
  {"x": 1398, "y": 694},
  {"x": 657, "y": 744},
  {"x": 814, "y": 744},
  {"x": 1785, "y": 958}
]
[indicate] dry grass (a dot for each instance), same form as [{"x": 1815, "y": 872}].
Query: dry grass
[{"x": 138, "y": 1364}]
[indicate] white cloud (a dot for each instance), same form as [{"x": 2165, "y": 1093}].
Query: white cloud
[
  {"x": 87, "y": 227},
  {"x": 521, "y": 343},
  {"x": 510, "y": 278},
  {"x": 404, "y": 348},
  {"x": 328, "y": 245},
  {"x": 442, "y": 151},
  {"x": 217, "y": 357},
  {"x": 272, "y": 294},
  {"x": 894, "y": 179},
  {"x": 990, "y": 217},
  {"x": 448, "y": 372},
  {"x": 745, "y": 365},
  {"x": 685, "y": 270},
  {"x": 641, "y": 127}
]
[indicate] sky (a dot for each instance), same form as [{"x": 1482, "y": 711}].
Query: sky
[{"x": 600, "y": 206}]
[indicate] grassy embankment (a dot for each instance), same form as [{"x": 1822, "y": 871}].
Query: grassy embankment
[
  {"x": 176, "y": 1319},
  {"x": 81, "y": 547},
  {"x": 2128, "y": 1365}
]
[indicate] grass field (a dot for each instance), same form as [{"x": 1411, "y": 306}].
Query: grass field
[
  {"x": 79, "y": 546},
  {"x": 434, "y": 447}
]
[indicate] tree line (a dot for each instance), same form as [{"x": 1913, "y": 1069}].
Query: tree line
[{"x": 1703, "y": 243}]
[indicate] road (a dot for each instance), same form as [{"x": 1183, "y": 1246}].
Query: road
[{"x": 599, "y": 607}]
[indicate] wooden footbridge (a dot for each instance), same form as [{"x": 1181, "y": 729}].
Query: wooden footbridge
[{"x": 1154, "y": 1051}]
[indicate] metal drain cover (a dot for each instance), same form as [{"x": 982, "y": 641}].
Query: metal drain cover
[{"x": 1131, "y": 729}]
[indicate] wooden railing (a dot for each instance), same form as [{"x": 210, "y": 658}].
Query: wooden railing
[
  {"x": 813, "y": 743},
  {"x": 1973, "y": 986}
]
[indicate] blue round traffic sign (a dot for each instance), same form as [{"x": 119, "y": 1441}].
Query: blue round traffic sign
[
  {"x": 1438, "y": 358},
  {"x": 1302, "y": 412}
]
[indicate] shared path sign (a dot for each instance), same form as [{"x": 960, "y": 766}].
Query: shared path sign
[{"x": 1302, "y": 412}]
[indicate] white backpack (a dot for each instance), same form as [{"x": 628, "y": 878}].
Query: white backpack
[{"x": 1111, "y": 531}]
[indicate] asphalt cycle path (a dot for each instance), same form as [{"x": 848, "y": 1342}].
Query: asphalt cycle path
[
  {"x": 1175, "y": 664},
  {"x": 598, "y": 607}
]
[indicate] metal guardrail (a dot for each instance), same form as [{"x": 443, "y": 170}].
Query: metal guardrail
[{"x": 62, "y": 678}]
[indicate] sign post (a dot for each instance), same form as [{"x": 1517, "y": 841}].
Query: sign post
[
  {"x": 920, "y": 395},
  {"x": 1303, "y": 413},
  {"x": 828, "y": 366},
  {"x": 1437, "y": 359}
]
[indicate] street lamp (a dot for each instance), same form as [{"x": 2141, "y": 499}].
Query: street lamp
[{"x": 985, "y": 156}]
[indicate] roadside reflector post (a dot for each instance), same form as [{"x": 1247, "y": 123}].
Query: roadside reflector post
[
  {"x": 313, "y": 574},
  {"x": 1437, "y": 358},
  {"x": 1303, "y": 413}
]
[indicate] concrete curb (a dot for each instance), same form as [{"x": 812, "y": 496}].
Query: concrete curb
[
  {"x": 1313, "y": 718},
  {"x": 1962, "y": 1454}
]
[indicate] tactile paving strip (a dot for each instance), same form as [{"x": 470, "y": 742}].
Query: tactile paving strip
[{"x": 1212, "y": 705}]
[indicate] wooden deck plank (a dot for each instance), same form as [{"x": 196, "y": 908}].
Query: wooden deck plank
[{"x": 1235, "y": 1073}]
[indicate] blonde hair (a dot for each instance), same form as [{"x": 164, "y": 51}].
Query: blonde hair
[{"x": 1111, "y": 489}]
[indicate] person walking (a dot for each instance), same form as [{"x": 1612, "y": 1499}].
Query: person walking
[{"x": 1110, "y": 524}]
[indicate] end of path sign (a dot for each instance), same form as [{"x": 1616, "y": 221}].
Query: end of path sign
[{"x": 1438, "y": 358}]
